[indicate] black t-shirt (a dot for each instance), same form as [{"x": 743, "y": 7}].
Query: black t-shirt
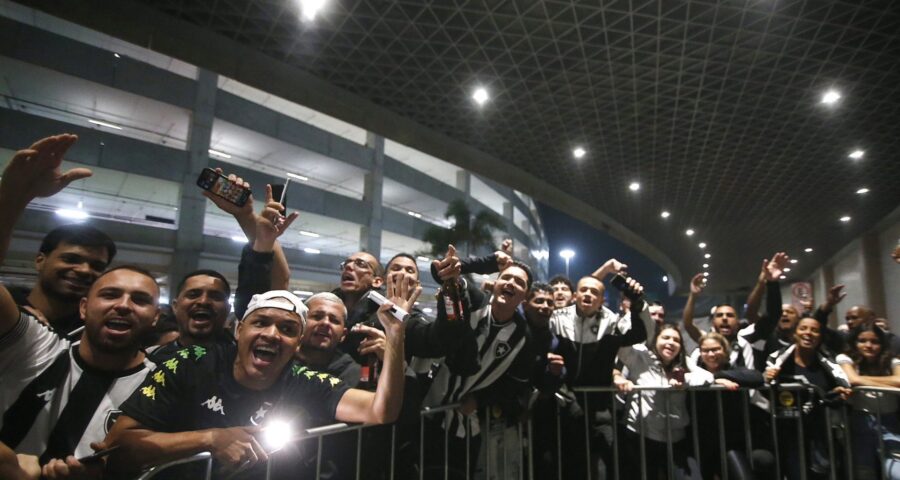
[{"x": 196, "y": 389}]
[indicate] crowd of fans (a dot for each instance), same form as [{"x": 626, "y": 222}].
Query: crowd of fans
[{"x": 93, "y": 385}]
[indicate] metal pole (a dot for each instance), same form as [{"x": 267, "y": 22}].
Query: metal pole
[
  {"x": 670, "y": 457},
  {"x": 319, "y": 459},
  {"x": 468, "y": 442},
  {"x": 694, "y": 429},
  {"x": 831, "y": 460},
  {"x": 643, "y": 430},
  {"x": 558, "y": 445},
  {"x": 269, "y": 467},
  {"x": 358, "y": 451},
  {"x": 879, "y": 434},
  {"x": 446, "y": 451},
  {"x": 530, "y": 450},
  {"x": 848, "y": 451},
  {"x": 487, "y": 438},
  {"x": 723, "y": 463},
  {"x": 393, "y": 448},
  {"x": 615, "y": 430},
  {"x": 521, "y": 452},
  {"x": 772, "y": 408},
  {"x": 587, "y": 436},
  {"x": 422, "y": 446},
  {"x": 800, "y": 442},
  {"x": 748, "y": 438}
]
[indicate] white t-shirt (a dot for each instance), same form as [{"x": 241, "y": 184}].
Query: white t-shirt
[
  {"x": 28, "y": 350},
  {"x": 867, "y": 401}
]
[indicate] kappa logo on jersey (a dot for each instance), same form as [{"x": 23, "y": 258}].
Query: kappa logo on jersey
[
  {"x": 111, "y": 417},
  {"x": 47, "y": 396},
  {"x": 260, "y": 414},
  {"x": 501, "y": 350},
  {"x": 214, "y": 403}
]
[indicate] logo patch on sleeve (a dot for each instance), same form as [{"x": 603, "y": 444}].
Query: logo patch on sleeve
[
  {"x": 149, "y": 391},
  {"x": 160, "y": 378},
  {"x": 171, "y": 364}
]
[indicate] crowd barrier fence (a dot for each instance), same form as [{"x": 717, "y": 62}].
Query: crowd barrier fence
[{"x": 497, "y": 457}]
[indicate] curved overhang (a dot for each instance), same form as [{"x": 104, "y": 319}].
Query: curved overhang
[{"x": 149, "y": 28}]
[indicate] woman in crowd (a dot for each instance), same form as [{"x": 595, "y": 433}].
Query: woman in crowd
[
  {"x": 660, "y": 363},
  {"x": 804, "y": 362},
  {"x": 714, "y": 354},
  {"x": 868, "y": 363}
]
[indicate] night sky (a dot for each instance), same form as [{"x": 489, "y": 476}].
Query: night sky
[{"x": 593, "y": 247}]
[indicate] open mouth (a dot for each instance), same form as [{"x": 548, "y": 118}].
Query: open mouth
[
  {"x": 117, "y": 326},
  {"x": 507, "y": 292},
  {"x": 264, "y": 355},
  {"x": 201, "y": 316}
]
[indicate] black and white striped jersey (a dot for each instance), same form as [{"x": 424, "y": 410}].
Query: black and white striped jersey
[{"x": 53, "y": 403}]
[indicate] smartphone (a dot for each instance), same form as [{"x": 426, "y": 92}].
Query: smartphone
[
  {"x": 98, "y": 454},
  {"x": 218, "y": 184},
  {"x": 620, "y": 282}
]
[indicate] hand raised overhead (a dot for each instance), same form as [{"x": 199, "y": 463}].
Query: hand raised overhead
[
  {"x": 35, "y": 171},
  {"x": 449, "y": 266}
]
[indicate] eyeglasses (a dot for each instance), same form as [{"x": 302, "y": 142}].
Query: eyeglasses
[{"x": 357, "y": 263}]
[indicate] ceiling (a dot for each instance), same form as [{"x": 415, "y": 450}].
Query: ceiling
[{"x": 714, "y": 107}]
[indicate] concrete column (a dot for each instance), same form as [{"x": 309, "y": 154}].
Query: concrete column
[
  {"x": 872, "y": 274},
  {"x": 191, "y": 210},
  {"x": 370, "y": 233},
  {"x": 464, "y": 182}
]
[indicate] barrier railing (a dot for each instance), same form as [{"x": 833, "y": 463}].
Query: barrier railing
[{"x": 788, "y": 403}]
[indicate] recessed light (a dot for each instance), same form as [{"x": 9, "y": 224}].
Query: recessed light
[
  {"x": 578, "y": 152},
  {"x": 314, "y": 251},
  {"x": 862, "y": 191},
  {"x": 702, "y": 244},
  {"x": 787, "y": 269},
  {"x": 105, "y": 124},
  {"x": 423, "y": 259},
  {"x": 831, "y": 97},
  {"x": 305, "y": 293},
  {"x": 783, "y": 277},
  {"x": 845, "y": 218},
  {"x": 297, "y": 177},
  {"x": 689, "y": 232},
  {"x": 707, "y": 256},
  {"x": 665, "y": 278},
  {"x": 808, "y": 250},
  {"x": 309, "y": 234},
  {"x": 705, "y": 274},
  {"x": 72, "y": 214},
  {"x": 310, "y": 8},
  {"x": 634, "y": 186},
  {"x": 414, "y": 214},
  {"x": 117, "y": 55},
  {"x": 480, "y": 95},
  {"x": 219, "y": 154},
  {"x": 856, "y": 154},
  {"x": 793, "y": 260},
  {"x": 705, "y": 265},
  {"x": 665, "y": 214}
]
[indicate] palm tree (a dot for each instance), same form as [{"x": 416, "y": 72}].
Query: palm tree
[{"x": 468, "y": 234}]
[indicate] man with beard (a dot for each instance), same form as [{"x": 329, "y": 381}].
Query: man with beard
[
  {"x": 325, "y": 330},
  {"x": 562, "y": 291},
  {"x": 657, "y": 313},
  {"x": 58, "y": 396},
  {"x": 590, "y": 336},
  {"x": 749, "y": 342},
  {"x": 200, "y": 310},
  {"x": 360, "y": 272}
]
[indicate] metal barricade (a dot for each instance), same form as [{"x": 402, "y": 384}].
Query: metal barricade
[{"x": 510, "y": 454}]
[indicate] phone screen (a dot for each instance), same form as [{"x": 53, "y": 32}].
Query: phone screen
[{"x": 218, "y": 184}]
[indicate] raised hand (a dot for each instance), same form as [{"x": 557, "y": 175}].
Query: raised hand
[
  {"x": 610, "y": 266},
  {"x": 507, "y": 246},
  {"x": 402, "y": 290},
  {"x": 228, "y": 207},
  {"x": 236, "y": 447},
  {"x": 775, "y": 266},
  {"x": 835, "y": 295},
  {"x": 373, "y": 343},
  {"x": 698, "y": 283},
  {"x": 270, "y": 223},
  {"x": 35, "y": 171},
  {"x": 555, "y": 364},
  {"x": 448, "y": 267}
]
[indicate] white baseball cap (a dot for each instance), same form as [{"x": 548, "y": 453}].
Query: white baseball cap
[{"x": 280, "y": 299}]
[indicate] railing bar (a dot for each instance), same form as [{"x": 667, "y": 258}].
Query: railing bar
[
  {"x": 319, "y": 459},
  {"x": 748, "y": 437},
  {"x": 643, "y": 429},
  {"x": 800, "y": 439},
  {"x": 831, "y": 461},
  {"x": 422, "y": 446},
  {"x": 695, "y": 430},
  {"x": 615, "y": 431},
  {"x": 723, "y": 463},
  {"x": 487, "y": 438},
  {"x": 558, "y": 444},
  {"x": 393, "y": 449},
  {"x": 447, "y": 450},
  {"x": 530, "y": 449},
  {"x": 358, "y": 451},
  {"x": 879, "y": 433},
  {"x": 468, "y": 454},
  {"x": 587, "y": 436},
  {"x": 773, "y": 407},
  {"x": 670, "y": 457}
]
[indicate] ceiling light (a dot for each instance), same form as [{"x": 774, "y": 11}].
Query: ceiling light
[
  {"x": 239, "y": 238},
  {"x": 117, "y": 55},
  {"x": 423, "y": 259},
  {"x": 845, "y": 218},
  {"x": 309, "y": 8},
  {"x": 414, "y": 214},
  {"x": 705, "y": 265},
  {"x": 689, "y": 232},
  {"x": 783, "y": 277},
  {"x": 702, "y": 244},
  {"x": 705, "y": 274},
  {"x": 219, "y": 154},
  {"x": 567, "y": 254},
  {"x": 793, "y": 260},
  {"x": 305, "y": 293},
  {"x": 104, "y": 124},
  {"x": 578, "y": 152},
  {"x": 314, "y": 251},
  {"x": 297, "y": 177},
  {"x": 634, "y": 186},
  {"x": 665, "y": 214},
  {"x": 831, "y": 97},
  {"x": 808, "y": 250},
  {"x": 856, "y": 154},
  {"x": 480, "y": 95},
  {"x": 72, "y": 214},
  {"x": 707, "y": 256},
  {"x": 787, "y": 269},
  {"x": 309, "y": 234},
  {"x": 862, "y": 191},
  {"x": 665, "y": 278}
]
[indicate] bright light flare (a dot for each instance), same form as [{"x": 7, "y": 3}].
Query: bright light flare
[
  {"x": 831, "y": 97},
  {"x": 665, "y": 214},
  {"x": 72, "y": 214},
  {"x": 567, "y": 254},
  {"x": 634, "y": 186},
  {"x": 310, "y": 8},
  {"x": 276, "y": 435},
  {"x": 856, "y": 154},
  {"x": 579, "y": 152},
  {"x": 689, "y": 232},
  {"x": 480, "y": 95}
]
